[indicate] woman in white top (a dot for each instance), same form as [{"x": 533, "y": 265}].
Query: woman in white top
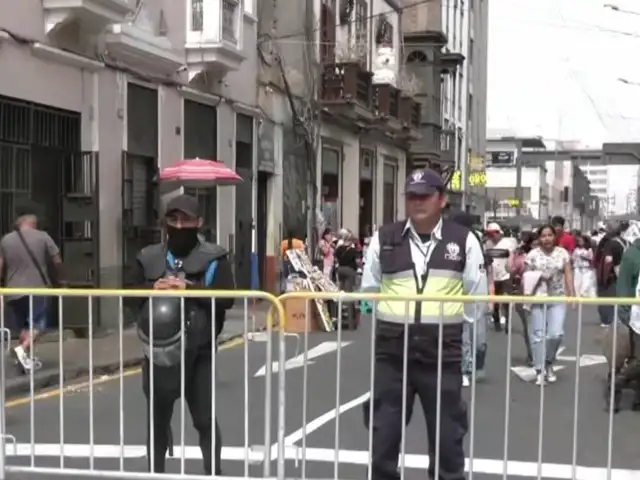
[
  {"x": 546, "y": 326},
  {"x": 584, "y": 275}
]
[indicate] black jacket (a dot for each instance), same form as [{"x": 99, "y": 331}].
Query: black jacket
[{"x": 140, "y": 278}]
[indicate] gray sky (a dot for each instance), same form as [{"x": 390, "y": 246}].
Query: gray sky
[{"x": 554, "y": 67}]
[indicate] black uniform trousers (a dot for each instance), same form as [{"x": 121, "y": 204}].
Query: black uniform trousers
[
  {"x": 422, "y": 380},
  {"x": 198, "y": 389}
]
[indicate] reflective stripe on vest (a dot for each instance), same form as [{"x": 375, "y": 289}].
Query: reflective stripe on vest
[{"x": 439, "y": 282}]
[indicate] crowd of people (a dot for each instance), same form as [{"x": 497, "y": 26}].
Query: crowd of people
[
  {"x": 554, "y": 262},
  {"x": 548, "y": 261}
]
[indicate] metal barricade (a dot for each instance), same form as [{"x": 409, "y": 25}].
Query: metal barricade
[
  {"x": 98, "y": 427},
  {"x": 502, "y": 426},
  {"x": 509, "y": 423}
]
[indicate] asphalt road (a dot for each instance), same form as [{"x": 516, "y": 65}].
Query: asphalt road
[{"x": 318, "y": 458}]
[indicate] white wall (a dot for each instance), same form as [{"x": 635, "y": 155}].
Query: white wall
[
  {"x": 533, "y": 178},
  {"x": 555, "y": 182}
]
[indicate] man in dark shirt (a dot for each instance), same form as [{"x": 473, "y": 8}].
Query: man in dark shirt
[{"x": 608, "y": 256}]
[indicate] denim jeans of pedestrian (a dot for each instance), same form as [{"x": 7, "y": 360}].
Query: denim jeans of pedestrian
[
  {"x": 546, "y": 329},
  {"x": 480, "y": 328},
  {"x": 606, "y": 312}
]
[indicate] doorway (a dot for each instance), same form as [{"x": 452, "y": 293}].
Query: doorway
[
  {"x": 367, "y": 200},
  {"x": 244, "y": 223},
  {"x": 261, "y": 226}
]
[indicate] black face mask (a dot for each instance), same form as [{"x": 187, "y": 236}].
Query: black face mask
[{"x": 181, "y": 240}]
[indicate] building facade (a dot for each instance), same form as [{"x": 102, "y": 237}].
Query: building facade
[
  {"x": 331, "y": 89},
  {"x": 446, "y": 44},
  {"x": 570, "y": 191},
  {"x": 99, "y": 96}
]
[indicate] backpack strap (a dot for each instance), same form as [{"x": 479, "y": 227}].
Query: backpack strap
[{"x": 209, "y": 273}]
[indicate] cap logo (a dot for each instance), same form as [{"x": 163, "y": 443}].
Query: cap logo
[{"x": 417, "y": 176}]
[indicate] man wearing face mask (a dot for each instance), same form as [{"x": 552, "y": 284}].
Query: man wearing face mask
[{"x": 184, "y": 261}]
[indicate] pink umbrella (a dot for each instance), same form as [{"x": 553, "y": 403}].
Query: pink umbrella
[{"x": 197, "y": 173}]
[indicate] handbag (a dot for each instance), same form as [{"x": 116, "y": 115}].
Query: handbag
[{"x": 43, "y": 276}]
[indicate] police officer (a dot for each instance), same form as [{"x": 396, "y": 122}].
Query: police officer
[
  {"x": 184, "y": 261},
  {"x": 426, "y": 255}
]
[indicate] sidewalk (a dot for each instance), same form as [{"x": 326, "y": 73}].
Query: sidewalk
[{"x": 106, "y": 353}]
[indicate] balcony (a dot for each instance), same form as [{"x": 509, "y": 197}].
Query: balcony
[
  {"x": 450, "y": 61},
  {"x": 93, "y": 15},
  {"x": 142, "y": 41},
  {"x": 214, "y": 36},
  {"x": 386, "y": 99},
  {"x": 409, "y": 115},
  {"x": 346, "y": 91}
]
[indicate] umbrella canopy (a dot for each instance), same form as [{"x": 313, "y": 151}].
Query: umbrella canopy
[{"x": 198, "y": 173}]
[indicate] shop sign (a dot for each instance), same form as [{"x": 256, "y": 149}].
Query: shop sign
[{"x": 476, "y": 179}]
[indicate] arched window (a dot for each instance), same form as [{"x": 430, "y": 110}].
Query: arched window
[{"x": 417, "y": 57}]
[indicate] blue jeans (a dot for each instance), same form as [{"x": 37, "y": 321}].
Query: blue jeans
[
  {"x": 546, "y": 329},
  {"x": 480, "y": 343},
  {"x": 606, "y": 312}
]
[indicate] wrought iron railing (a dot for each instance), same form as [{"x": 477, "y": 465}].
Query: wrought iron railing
[
  {"x": 386, "y": 100},
  {"x": 409, "y": 112},
  {"x": 229, "y": 21},
  {"x": 346, "y": 83}
]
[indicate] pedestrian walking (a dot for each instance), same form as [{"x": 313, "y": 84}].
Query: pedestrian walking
[
  {"x": 29, "y": 258},
  {"x": 499, "y": 247},
  {"x": 516, "y": 267},
  {"x": 584, "y": 275},
  {"x": 347, "y": 257},
  {"x": 183, "y": 261},
  {"x": 474, "y": 336},
  {"x": 325, "y": 253},
  {"x": 626, "y": 363},
  {"x": 608, "y": 256},
  {"x": 563, "y": 238},
  {"x": 555, "y": 279},
  {"x": 425, "y": 255}
]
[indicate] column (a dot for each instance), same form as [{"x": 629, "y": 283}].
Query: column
[{"x": 350, "y": 188}]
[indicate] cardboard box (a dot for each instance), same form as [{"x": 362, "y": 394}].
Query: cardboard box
[{"x": 301, "y": 315}]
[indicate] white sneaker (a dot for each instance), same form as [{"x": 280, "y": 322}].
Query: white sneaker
[
  {"x": 25, "y": 360},
  {"x": 465, "y": 381},
  {"x": 540, "y": 380},
  {"x": 22, "y": 356},
  {"x": 551, "y": 376},
  {"x": 503, "y": 320}
]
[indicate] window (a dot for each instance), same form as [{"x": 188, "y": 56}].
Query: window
[
  {"x": 248, "y": 7},
  {"x": 229, "y": 20},
  {"x": 331, "y": 186},
  {"x": 362, "y": 30},
  {"x": 197, "y": 18},
  {"x": 471, "y": 47},
  {"x": 384, "y": 32},
  {"x": 389, "y": 191},
  {"x": 327, "y": 34},
  {"x": 417, "y": 57}
]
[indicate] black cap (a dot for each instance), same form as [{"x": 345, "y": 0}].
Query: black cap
[
  {"x": 423, "y": 182},
  {"x": 185, "y": 204}
]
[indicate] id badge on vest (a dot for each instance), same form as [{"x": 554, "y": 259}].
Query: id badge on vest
[{"x": 421, "y": 280}]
